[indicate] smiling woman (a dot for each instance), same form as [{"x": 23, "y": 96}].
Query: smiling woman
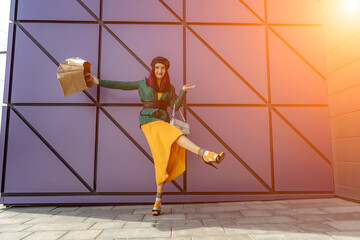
[{"x": 167, "y": 142}]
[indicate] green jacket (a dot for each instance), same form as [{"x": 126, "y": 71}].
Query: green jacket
[{"x": 148, "y": 94}]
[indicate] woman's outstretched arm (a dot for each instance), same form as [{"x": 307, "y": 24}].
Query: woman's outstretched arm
[
  {"x": 177, "y": 100},
  {"x": 116, "y": 84}
]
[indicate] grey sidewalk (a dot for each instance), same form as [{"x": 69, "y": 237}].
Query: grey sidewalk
[{"x": 329, "y": 218}]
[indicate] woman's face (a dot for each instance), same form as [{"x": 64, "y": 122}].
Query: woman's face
[{"x": 159, "y": 70}]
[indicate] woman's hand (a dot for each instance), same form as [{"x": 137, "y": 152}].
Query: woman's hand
[
  {"x": 188, "y": 87},
  {"x": 93, "y": 78}
]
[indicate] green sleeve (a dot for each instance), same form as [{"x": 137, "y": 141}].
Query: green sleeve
[
  {"x": 177, "y": 100},
  {"x": 131, "y": 85}
]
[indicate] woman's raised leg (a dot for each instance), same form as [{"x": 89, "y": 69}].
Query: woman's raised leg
[{"x": 206, "y": 155}]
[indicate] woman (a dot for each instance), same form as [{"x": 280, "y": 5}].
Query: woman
[{"x": 167, "y": 143}]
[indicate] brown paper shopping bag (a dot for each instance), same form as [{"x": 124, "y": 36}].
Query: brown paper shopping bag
[{"x": 71, "y": 75}]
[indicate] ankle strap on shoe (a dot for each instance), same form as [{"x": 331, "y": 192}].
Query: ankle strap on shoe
[{"x": 201, "y": 152}]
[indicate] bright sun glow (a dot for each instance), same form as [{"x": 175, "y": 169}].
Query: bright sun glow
[{"x": 353, "y": 5}]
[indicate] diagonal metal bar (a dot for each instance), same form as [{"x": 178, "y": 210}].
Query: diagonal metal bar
[
  {"x": 97, "y": 104},
  {"x": 230, "y": 150},
  {"x": 253, "y": 12},
  {"x": 302, "y": 136},
  {"x": 297, "y": 53},
  {"x": 52, "y": 149}
]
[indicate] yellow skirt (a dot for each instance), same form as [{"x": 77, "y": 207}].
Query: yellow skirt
[{"x": 169, "y": 157}]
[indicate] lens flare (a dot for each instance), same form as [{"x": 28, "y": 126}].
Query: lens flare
[{"x": 353, "y": 5}]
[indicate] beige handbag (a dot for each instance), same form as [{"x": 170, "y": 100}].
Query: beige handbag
[{"x": 182, "y": 125}]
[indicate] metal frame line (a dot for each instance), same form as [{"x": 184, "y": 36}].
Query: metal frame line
[
  {"x": 55, "y": 194},
  {"x": 183, "y": 191}
]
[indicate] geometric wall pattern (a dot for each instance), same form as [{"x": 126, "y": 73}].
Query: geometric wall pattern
[{"x": 261, "y": 96}]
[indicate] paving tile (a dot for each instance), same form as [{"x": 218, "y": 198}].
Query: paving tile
[
  {"x": 70, "y": 219},
  {"x": 273, "y": 219},
  {"x": 148, "y": 210},
  {"x": 132, "y": 206},
  {"x": 128, "y": 217},
  {"x": 311, "y": 218},
  {"x": 48, "y": 235},
  {"x": 343, "y": 216},
  {"x": 259, "y": 207},
  {"x": 7, "y": 214},
  {"x": 184, "y": 210},
  {"x": 221, "y": 209},
  {"x": 175, "y": 216},
  {"x": 218, "y": 222},
  {"x": 199, "y": 216},
  {"x": 79, "y": 235},
  {"x": 227, "y": 215},
  {"x": 261, "y": 229},
  {"x": 108, "y": 225},
  {"x": 349, "y": 209},
  {"x": 33, "y": 215},
  {"x": 13, "y": 235},
  {"x": 64, "y": 209},
  {"x": 31, "y": 209},
  {"x": 203, "y": 231},
  {"x": 87, "y": 208},
  {"x": 136, "y": 233},
  {"x": 297, "y": 211},
  {"x": 179, "y": 223},
  {"x": 101, "y": 218},
  {"x": 345, "y": 225},
  {"x": 237, "y": 237},
  {"x": 313, "y": 205},
  {"x": 198, "y": 205},
  {"x": 173, "y": 238},
  {"x": 233, "y": 203},
  {"x": 50, "y": 219},
  {"x": 14, "y": 220},
  {"x": 344, "y": 202},
  {"x": 354, "y": 235},
  {"x": 292, "y": 236},
  {"x": 59, "y": 226},
  {"x": 255, "y": 213},
  {"x": 14, "y": 227},
  {"x": 313, "y": 227},
  {"x": 140, "y": 224}
]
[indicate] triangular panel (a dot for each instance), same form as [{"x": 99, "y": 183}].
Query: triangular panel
[
  {"x": 32, "y": 167},
  {"x": 245, "y": 130},
  {"x": 94, "y": 6},
  {"x": 257, "y": 6},
  {"x": 136, "y": 10},
  {"x": 243, "y": 47},
  {"x": 71, "y": 131},
  {"x": 297, "y": 166},
  {"x": 71, "y": 43},
  {"x": 56, "y": 10},
  {"x": 313, "y": 123},
  {"x": 219, "y": 11},
  {"x": 230, "y": 176},
  {"x": 308, "y": 42},
  {"x": 292, "y": 80},
  {"x": 176, "y": 6},
  {"x": 301, "y": 12},
  {"x": 117, "y": 64},
  {"x": 34, "y": 78},
  {"x": 215, "y": 82},
  {"x": 149, "y": 42}
]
